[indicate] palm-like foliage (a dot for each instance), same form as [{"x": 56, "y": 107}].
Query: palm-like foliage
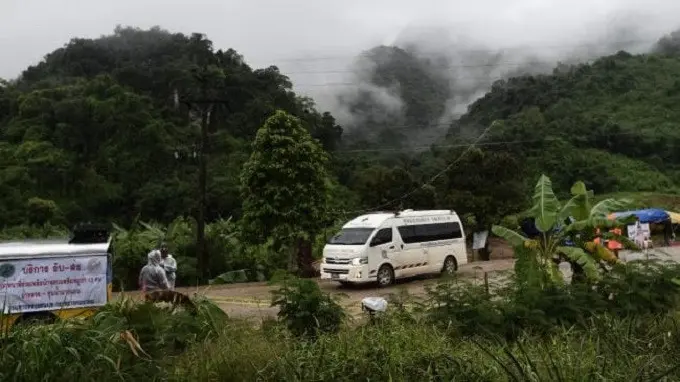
[{"x": 576, "y": 221}]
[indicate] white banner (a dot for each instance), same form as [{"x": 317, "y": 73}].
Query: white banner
[
  {"x": 638, "y": 233},
  {"x": 52, "y": 283},
  {"x": 479, "y": 239}
]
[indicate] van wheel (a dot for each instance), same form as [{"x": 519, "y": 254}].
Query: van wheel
[
  {"x": 385, "y": 276},
  {"x": 450, "y": 265}
]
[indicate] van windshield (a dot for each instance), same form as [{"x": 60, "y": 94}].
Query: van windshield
[{"x": 351, "y": 236}]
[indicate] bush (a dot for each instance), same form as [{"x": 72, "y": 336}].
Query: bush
[
  {"x": 305, "y": 309},
  {"x": 636, "y": 289},
  {"x": 45, "y": 231},
  {"x": 463, "y": 307},
  {"x": 641, "y": 287}
]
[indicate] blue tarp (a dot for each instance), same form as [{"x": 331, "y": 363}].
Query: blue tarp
[{"x": 649, "y": 215}]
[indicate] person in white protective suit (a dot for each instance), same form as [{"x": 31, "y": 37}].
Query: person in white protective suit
[
  {"x": 152, "y": 276},
  {"x": 169, "y": 264}
]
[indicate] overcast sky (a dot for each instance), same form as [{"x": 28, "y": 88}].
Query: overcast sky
[{"x": 286, "y": 32}]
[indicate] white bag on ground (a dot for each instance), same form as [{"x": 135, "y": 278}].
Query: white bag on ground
[{"x": 374, "y": 304}]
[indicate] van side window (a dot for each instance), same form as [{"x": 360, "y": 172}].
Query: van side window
[
  {"x": 423, "y": 233},
  {"x": 383, "y": 236},
  {"x": 407, "y": 234}
]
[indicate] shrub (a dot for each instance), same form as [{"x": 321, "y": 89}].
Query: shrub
[
  {"x": 636, "y": 289},
  {"x": 305, "y": 309},
  {"x": 463, "y": 307},
  {"x": 641, "y": 287},
  {"x": 45, "y": 231}
]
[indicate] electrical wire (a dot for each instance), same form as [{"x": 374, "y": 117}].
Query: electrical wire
[
  {"x": 493, "y": 143},
  {"x": 490, "y": 80},
  {"x": 432, "y": 179},
  {"x": 448, "y": 167}
]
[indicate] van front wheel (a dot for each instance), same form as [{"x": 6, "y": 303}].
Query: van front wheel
[{"x": 385, "y": 276}]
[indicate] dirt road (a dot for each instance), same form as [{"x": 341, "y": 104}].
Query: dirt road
[{"x": 252, "y": 300}]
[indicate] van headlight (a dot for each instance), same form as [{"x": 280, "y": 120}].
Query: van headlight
[{"x": 359, "y": 260}]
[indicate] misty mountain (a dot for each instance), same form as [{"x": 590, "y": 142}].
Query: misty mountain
[
  {"x": 409, "y": 93},
  {"x": 398, "y": 91}
]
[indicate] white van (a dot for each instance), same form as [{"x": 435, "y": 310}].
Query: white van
[{"x": 382, "y": 247}]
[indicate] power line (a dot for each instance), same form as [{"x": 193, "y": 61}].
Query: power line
[
  {"x": 445, "y": 146},
  {"x": 488, "y": 79},
  {"x": 453, "y": 163},
  {"x": 448, "y": 66},
  {"x": 432, "y": 179},
  {"x": 452, "y": 146},
  {"x": 416, "y": 148}
]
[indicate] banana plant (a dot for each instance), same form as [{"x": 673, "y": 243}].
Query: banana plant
[{"x": 574, "y": 222}]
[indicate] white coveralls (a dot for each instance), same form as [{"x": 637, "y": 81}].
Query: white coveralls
[
  {"x": 152, "y": 276},
  {"x": 170, "y": 266}
]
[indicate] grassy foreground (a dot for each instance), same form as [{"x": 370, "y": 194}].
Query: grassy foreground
[{"x": 624, "y": 328}]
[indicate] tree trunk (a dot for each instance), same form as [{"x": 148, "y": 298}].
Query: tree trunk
[
  {"x": 484, "y": 253},
  {"x": 305, "y": 259}
]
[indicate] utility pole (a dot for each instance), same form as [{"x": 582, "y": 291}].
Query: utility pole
[
  {"x": 206, "y": 106},
  {"x": 202, "y": 187}
]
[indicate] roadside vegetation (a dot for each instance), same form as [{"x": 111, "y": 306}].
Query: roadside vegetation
[
  {"x": 623, "y": 326},
  {"x": 619, "y": 321}
]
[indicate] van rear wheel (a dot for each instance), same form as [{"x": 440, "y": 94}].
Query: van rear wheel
[
  {"x": 385, "y": 276},
  {"x": 450, "y": 266}
]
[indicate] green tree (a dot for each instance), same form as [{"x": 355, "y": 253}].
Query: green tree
[{"x": 285, "y": 188}]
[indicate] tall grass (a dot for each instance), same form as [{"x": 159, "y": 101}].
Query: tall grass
[
  {"x": 611, "y": 350},
  {"x": 125, "y": 341}
]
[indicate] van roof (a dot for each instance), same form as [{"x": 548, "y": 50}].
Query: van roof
[
  {"x": 426, "y": 212},
  {"x": 374, "y": 220},
  {"x": 49, "y": 248},
  {"x": 369, "y": 220}
]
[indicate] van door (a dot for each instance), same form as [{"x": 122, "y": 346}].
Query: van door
[
  {"x": 382, "y": 247},
  {"x": 412, "y": 256}
]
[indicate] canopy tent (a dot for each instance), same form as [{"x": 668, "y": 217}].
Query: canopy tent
[
  {"x": 649, "y": 215},
  {"x": 675, "y": 217}
]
